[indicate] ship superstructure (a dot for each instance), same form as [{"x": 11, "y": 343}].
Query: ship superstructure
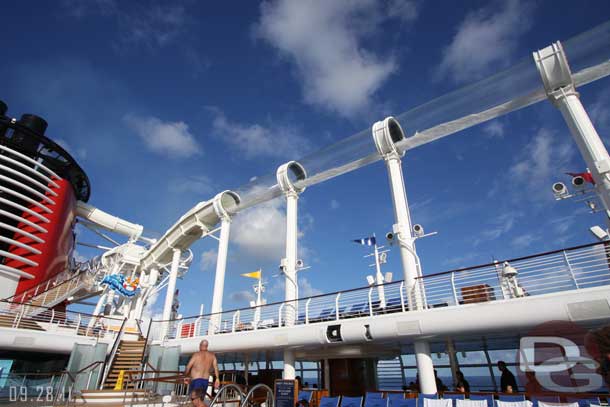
[{"x": 44, "y": 192}]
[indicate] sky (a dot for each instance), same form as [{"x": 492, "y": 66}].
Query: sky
[{"x": 164, "y": 104}]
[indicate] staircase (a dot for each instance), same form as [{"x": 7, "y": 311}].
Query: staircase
[
  {"x": 128, "y": 357},
  {"x": 108, "y": 398},
  {"x": 8, "y": 321},
  {"x": 389, "y": 374}
]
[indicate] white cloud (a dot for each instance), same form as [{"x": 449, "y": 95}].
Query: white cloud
[
  {"x": 168, "y": 138},
  {"x": 195, "y": 184},
  {"x": 485, "y": 40},
  {"x": 153, "y": 24},
  {"x": 306, "y": 289},
  {"x": 334, "y": 204},
  {"x": 324, "y": 39},
  {"x": 242, "y": 296},
  {"x": 261, "y": 230},
  {"x": 255, "y": 140},
  {"x": 494, "y": 129},
  {"x": 541, "y": 161},
  {"x": 524, "y": 241},
  {"x": 405, "y": 10},
  {"x": 208, "y": 260},
  {"x": 499, "y": 226}
]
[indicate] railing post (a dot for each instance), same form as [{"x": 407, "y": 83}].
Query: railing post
[
  {"x": 565, "y": 258},
  {"x": 337, "y": 306},
  {"x": 235, "y": 317},
  {"x": 77, "y": 324},
  {"x": 371, "y": 301},
  {"x": 455, "y": 296},
  {"x": 52, "y": 316},
  {"x": 307, "y": 311},
  {"x": 279, "y": 317},
  {"x": 402, "y": 296}
]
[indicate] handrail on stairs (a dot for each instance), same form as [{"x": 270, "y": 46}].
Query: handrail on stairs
[
  {"x": 270, "y": 397},
  {"x": 224, "y": 388},
  {"x": 108, "y": 360}
]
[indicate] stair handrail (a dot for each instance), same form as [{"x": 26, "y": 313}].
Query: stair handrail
[
  {"x": 224, "y": 388},
  {"x": 142, "y": 364},
  {"x": 108, "y": 360},
  {"x": 270, "y": 396},
  {"x": 55, "y": 278},
  {"x": 72, "y": 376}
]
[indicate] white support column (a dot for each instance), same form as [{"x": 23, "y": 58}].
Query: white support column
[
  {"x": 326, "y": 384},
  {"x": 290, "y": 266},
  {"x": 385, "y": 134},
  {"x": 285, "y": 175},
  {"x": 289, "y": 371},
  {"x": 219, "y": 280},
  {"x": 425, "y": 368},
  {"x": 557, "y": 78},
  {"x": 171, "y": 289}
]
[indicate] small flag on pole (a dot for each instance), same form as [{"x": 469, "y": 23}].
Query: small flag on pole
[
  {"x": 254, "y": 274},
  {"x": 367, "y": 241}
]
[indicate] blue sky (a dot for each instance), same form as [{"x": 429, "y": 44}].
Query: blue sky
[{"x": 166, "y": 103}]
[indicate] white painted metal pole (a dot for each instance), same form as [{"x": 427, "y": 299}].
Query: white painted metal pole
[
  {"x": 379, "y": 279},
  {"x": 589, "y": 143},
  {"x": 291, "y": 258},
  {"x": 171, "y": 289},
  {"x": 402, "y": 229},
  {"x": 326, "y": 384},
  {"x": 219, "y": 280},
  {"x": 425, "y": 368},
  {"x": 289, "y": 371}
]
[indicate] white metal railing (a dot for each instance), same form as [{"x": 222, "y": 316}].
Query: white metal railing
[
  {"x": 28, "y": 188},
  {"x": 24, "y": 316},
  {"x": 569, "y": 269}
]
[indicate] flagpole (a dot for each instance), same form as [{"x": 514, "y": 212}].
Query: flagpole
[{"x": 379, "y": 278}]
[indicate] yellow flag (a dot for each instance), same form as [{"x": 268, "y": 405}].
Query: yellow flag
[{"x": 254, "y": 274}]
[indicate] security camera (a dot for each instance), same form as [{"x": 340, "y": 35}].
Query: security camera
[
  {"x": 560, "y": 190},
  {"x": 300, "y": 263},
  {"x": 418, "y": 230},
  {"x": 578, "y": 181},
  {"x": 283, "y": 264},
  {"x": 390, "y": 237}
]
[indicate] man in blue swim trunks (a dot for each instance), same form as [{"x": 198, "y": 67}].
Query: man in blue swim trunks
[{"x": 199, "y": 367}]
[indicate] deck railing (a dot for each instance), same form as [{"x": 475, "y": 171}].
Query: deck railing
[
  {"x": 24, "y": 316},
  {"x": 561, "y": 270}
]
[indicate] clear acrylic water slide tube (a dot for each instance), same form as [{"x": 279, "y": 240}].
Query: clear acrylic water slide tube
[{"x": 502, "y": 93}]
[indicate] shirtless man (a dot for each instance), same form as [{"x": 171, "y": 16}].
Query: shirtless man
[{"x": 198, "y": 368}]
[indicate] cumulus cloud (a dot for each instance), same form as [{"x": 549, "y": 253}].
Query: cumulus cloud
[
  {"x": 255, "y": 140},
  {"x": 208, "y": 260},
  {"x": 261, "y": 230},
  {"x": 168, "y": 138},
  {"x": 324, "y": 41},
  {"x": 485, "y": 40},
  {"x": 405, "y": 10}
]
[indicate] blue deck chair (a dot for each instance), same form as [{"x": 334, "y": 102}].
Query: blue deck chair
[
  {"x": 396, "y": 402},
  {"x": 351, "y": 401},
  {"x": 393, "y": 305},
  {"x": 326, "y": 314},
  {"x": 422, "y": 396},
  {"x": 357, "y": 310},
  {"x": 511, "y": 397},
  {"x": 375, "y": 401},
  {"x": 487, "y": 397},
  {"x": 305, "y": 395},
  {"x": 453, "y": 397},
  {"x": 584, "y": 402},
  {"x": 546, "y": 399},
  {"x": 373, "y": 395},
  {"x": 395, "y": 396},
  {"x": 329, "y": 402}
]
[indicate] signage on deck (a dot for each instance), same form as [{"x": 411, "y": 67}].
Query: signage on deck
[{"x": 285, "y": 392}]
